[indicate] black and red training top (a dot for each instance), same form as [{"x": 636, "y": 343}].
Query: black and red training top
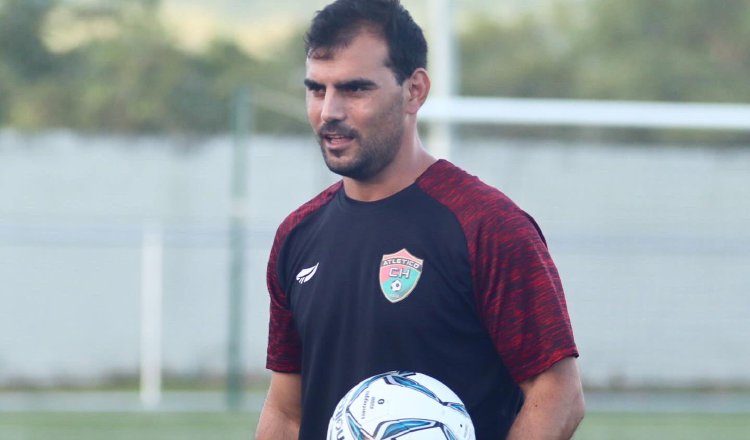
[{"x": 448, "y": 277}]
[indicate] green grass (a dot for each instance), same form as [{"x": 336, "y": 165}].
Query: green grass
[
  {"x": 127, "y": 426},
  {"x": 661, "y": 426},
  {"x": 230, "y": 426}
]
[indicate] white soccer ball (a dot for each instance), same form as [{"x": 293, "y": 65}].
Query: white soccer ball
[{"x": 400, "y": 405}]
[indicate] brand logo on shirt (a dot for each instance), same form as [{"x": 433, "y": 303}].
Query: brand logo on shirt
[
  {"x": 306, "y": 275},
  {"x": 399, "y": 274}
]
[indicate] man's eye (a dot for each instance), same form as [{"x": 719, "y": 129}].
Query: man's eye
[
  {"x": 356, "y": 89},
  {"x": 317, "y": 91}
]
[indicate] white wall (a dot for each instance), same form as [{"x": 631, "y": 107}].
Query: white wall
[{"x": 652, "y": 244}]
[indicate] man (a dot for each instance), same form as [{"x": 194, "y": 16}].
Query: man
[{"x": 408, "y": 263}]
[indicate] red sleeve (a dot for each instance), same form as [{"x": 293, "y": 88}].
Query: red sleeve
[
  {"x": 516, "y": 285},
  {"x": 520, "y": 296},
  {"x": 284, "y": 346},
  {"x": 284, "y": 352}
]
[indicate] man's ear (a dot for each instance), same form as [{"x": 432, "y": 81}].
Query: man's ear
[{"x": 417, "y": 89}]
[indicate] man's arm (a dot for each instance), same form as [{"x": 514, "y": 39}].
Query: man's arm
[
  {"x": 282, "y": 411},
  {"x": 553, "y": 404}
]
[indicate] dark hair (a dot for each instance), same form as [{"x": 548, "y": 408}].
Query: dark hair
[{"x": 338, "y": 23}]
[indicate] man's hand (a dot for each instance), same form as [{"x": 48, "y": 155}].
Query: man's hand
[
  {"x": 553, "y": 404},
  {"x": 282, "y": 411}
]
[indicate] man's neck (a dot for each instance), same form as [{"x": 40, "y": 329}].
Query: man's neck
[{"x": 408, "y": 165}]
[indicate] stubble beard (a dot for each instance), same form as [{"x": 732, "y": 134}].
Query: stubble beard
[{"x": 372, "y": 154}]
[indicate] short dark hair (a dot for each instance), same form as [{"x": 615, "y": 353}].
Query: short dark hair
[{"x": 339, "y": 23}]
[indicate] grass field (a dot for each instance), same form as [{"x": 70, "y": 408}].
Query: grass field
[{"x": 236, "y": 426}]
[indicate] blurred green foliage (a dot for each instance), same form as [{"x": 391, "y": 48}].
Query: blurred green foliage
[
  {"x": 137, "y": 79},
  {"x": 668, "y": 50}
]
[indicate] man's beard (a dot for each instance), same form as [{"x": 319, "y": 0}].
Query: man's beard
[{"x": 372, "y": 154}]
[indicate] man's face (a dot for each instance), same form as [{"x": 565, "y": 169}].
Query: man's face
[{"x": 356, "y": 107}]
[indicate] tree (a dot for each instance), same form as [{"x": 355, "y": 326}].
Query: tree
[
  {"x": 6, "y": 87},
  {"x": 22, "y": 46},
  {"x": 669, "y": 50},
  {"x": 528, "y": 57},
  {"x": 136, "y": 79}
]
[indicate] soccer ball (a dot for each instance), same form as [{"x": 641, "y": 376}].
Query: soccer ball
[{"x": 400, "y": 405}]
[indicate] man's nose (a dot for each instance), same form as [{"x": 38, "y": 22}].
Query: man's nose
[{"x": 333, "y": 108}]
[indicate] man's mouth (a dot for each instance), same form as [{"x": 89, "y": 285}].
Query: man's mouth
[{"x": 336, "y": 139}]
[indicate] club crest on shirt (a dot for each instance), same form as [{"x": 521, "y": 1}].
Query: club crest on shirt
[{"x": 399, "y": 274}]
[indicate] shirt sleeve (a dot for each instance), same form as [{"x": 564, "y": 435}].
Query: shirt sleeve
[
  {"x": 520, "y": 296},
  {"x": 284, "y": 345}
]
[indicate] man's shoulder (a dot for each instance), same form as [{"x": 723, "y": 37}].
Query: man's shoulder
[
  {"x": 467, "y": 196},
  {"x": 305, "y": 210}
]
